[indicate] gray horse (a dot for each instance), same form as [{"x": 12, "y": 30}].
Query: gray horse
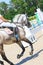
[
  {"x": 15, "y": 36},
  {"x": 6, "y": 38}
]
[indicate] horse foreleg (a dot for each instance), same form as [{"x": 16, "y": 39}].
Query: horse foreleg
[
  {"x": 28, "y": 41},
  {"x": 23, "y": 50},
  {"x": 4, "y": 56}
]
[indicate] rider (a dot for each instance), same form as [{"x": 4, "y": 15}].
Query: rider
[{"x": 16, "y": 33}]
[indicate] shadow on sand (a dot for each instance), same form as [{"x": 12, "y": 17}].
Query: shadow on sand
[{"x": 29, "y": 58}]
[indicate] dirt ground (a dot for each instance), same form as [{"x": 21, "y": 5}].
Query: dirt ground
[{"x": 36, "y": 59}]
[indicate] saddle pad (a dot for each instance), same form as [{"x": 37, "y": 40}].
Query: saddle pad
[{"x": 8, "y": 31}]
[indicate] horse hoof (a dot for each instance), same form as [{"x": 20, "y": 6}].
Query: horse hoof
[
  {"x": 1, "y": 62},
  {"x": 18, "y": 56},
  {"x": 12, "y": 64},
  {"x": 31, "y": 53}
]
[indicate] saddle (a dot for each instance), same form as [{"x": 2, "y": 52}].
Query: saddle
[
  {"x": 8, "y": 31},
  {"x": 14, "y": 33}
]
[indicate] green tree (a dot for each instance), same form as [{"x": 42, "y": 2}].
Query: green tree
[
  {"x": 19, "y": 7},
  {"x": 40, "y": 4},
  {"x": 25, "y": 6},
  {"x": 7, "y": 10},
  {"x": 3, "y": 8},
  {"x": 10, "y": 14}
]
